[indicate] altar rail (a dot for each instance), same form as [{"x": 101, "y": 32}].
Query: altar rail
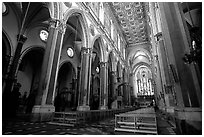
[
  {"x": 77, "y": 118},
  {"x": 139, "y": 121}
]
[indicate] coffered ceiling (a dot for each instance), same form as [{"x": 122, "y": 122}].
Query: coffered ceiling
[{"x": 131, "y": 17}]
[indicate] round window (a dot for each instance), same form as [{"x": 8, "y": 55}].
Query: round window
[
  {"x": 4, "y": 9},
  {"x": 70, "y": 52},
  {"x": 97, "y": 69},
  {"x": 43, "y": 35}
]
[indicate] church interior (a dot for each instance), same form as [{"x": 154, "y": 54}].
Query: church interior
[{"x": 79, "y": 62}]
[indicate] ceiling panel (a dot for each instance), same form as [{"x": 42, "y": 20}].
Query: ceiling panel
[{"x": 131, "y": 17}]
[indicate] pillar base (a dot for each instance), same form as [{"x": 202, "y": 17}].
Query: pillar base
[
  {"x": 83, "y": 108},
  {"x": 188, "y": 121},
  {"x": 42, "y": 113},
  {"x": 170, "y": 110},
  {"x": 114, "y": 105},
  {"x": 103, "y": 107}
]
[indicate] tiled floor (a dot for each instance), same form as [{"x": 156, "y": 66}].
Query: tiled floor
[{"x": 105, "y": 127}]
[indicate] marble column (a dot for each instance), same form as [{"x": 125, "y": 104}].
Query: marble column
[
  {"x": 12, "y": 75},
  {"x": 189, "y": 99},
  {"x": 55, "y": 64},
  {"x": 129, "y": 94},
  {"x": 126, "y": 94},
  {"x": 50, "y": 56},
  {"x": 5, "y": 74},
  {"x": 113, "y": 89},
  {"x": 84, "y": 89},
  {"x": 103, "y": 85},
  {"x": 7, "y": 106},
  {"x": 76, "y": 95}
]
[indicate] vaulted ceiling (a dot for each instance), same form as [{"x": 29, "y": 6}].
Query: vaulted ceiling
[{"x": 132, "y": 18}]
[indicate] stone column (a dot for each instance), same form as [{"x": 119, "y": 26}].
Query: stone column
[
  {"x": 114, "y": 80},
  {"x": 113, "y": 89},
  {"x": 126, "y": 94},
  {"x": 159, "y": 80},
  {"x": 53, "y": 43},
  {"x": 103, "y": 85},
  {"x": 165, "y": 68},
  {"x": 6, "y": 72},
  {"x": 55, "y": 64},
  {"x": 77, "y": 87},
  {"x": 15, "y": 63},
  {"x": 84, "y": 90},
  {"x": 119, "y": 87},
  {"x": 12, "y": 76},
  {"x": 189, "y": 111}
]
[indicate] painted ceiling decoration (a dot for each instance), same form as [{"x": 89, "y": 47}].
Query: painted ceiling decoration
[{"x": 132, "y": 18}]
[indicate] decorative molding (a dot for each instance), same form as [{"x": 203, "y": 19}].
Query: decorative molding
[{"x": 55, "y": 10}]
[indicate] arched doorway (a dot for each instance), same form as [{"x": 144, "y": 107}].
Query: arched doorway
[
  {"x": 110, "y": 82},
  {"x": 28, "y": 76},
  {"x": 65, "y": 89},
  {"x": 73, "y": 43},
  {"x": 119, "y": 86},
  {"x": 95, "y": 82},
  {"x": 95, "y": 94},
  {"x": 95, "y": 73}
]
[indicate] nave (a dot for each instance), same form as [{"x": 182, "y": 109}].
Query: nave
[{"x": 75, "y": 63}]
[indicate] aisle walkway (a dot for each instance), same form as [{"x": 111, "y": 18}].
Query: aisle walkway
[
  {"x": 164, "y": 126},
  {"x": 105, "y": 127}
]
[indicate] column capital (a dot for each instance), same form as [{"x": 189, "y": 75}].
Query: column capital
[
  {"x": 113, "y": 72},
  {"x": 103, "y": 64},
  {"x": 53, "y": 22},
  {"x": 156, "y": 57},
  {"x": 131, "y": 74},
  {"x": 85, "y": 50},
  {"x": 21, "y": 38},
  {"x": 158, "y": 36},
  {"x": 138, "y": 80},
  {"x": 79, "y": 67},
  {"x": 62, "y": 26}
]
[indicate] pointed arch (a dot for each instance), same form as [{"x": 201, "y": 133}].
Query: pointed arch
[
  {"x": 54, "y": 8},
  {"x": 73, "y": 11},
  {"x": 101, "y": 46}
]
